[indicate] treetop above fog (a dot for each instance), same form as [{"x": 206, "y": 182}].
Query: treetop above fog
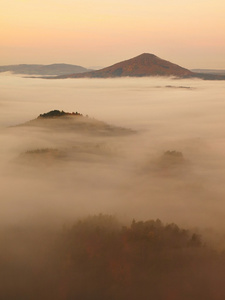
[{"x": 58, "y": 113}]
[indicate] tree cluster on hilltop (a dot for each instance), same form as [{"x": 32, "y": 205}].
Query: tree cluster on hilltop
[{"x": 58, "y": 113}]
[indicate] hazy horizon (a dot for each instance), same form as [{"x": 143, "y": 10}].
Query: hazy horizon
[
  {"x": 90, "y": 66},
  {"x": 105, "y": 32}
]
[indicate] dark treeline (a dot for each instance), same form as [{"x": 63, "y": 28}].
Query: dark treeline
[
  {"x": 58, "y": 113},
  {"x": 98, "y": 258}
]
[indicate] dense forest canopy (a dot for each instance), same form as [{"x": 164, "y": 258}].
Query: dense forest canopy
[{"x": 98, "y": 258}]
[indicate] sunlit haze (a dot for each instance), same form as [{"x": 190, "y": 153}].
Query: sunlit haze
[
  {"x": 101, "y": 33},
  {"x": 112, "y": 180}
]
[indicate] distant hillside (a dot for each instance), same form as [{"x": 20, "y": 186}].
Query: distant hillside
[
  {"x": 54, "y": 69},
  {"x": 75, "y": 122},
  {"x": 209, "y": 71},
  {"x": 143, "y": 65}
]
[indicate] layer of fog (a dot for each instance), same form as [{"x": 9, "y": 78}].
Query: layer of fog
[{"x": 114, "y": 175}]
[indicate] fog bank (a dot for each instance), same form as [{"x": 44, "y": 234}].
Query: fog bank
[{"x": 122, "y": 175}]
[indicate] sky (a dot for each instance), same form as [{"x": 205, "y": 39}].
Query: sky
[{"x": 102, "y": 32}]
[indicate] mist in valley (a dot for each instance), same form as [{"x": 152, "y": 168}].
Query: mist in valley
[{"x": 162, "y": 157}]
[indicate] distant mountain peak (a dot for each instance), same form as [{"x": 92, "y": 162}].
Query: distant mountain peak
[
  {"x": 146, "y": 55},
  {"x": 145, "y": 64}
]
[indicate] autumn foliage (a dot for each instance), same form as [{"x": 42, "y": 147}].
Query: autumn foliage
[{"x": 100, "y": 259}]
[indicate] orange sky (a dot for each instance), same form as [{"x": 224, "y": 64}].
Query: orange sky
[{"x": 100, "y": 33}]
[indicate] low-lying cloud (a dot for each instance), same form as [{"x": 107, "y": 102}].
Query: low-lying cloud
[
  {"x": 115, "y": 174},
  {"x": 171, "y": 166}
]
